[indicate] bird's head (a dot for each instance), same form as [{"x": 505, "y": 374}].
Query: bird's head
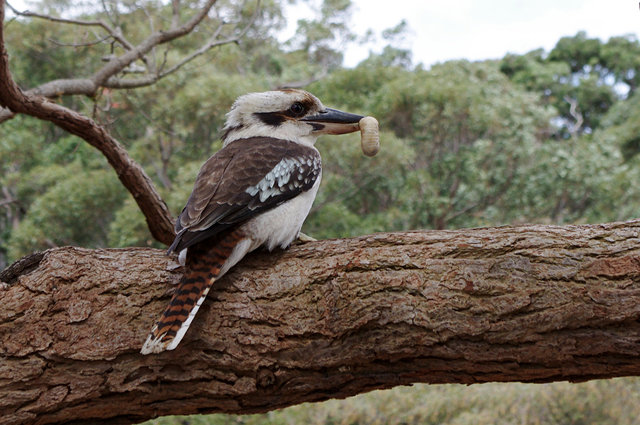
[{"x": 289, "y": 114}]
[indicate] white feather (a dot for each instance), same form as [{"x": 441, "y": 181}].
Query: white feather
[
  {"x": 245, "y": 124},
  {"x": 281, "y": 225}
]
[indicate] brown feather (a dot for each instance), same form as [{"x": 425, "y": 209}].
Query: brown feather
[
  {"x": 204, "y": 263},
  {"x": 219, "y": 199}
]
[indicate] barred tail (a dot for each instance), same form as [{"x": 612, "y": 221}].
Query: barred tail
[{"x": 205, "y": 261}]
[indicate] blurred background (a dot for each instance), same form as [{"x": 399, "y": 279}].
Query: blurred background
[{"x": 491, "y": 113}]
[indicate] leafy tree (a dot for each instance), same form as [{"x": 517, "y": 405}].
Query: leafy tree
[
  {"x": 321, "y": 38},
  {"x": 464, "y": 144},
  {"x": 468, "y": 130},
  {"x": 581, "y": 77}
]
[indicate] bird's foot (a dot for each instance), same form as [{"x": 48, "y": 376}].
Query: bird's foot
[{"x": 302, "y": 238}]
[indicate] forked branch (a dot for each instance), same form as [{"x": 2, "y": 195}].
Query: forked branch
[
  {"x": 107, "y": 75},
  {"x": 36, "y": 103}
]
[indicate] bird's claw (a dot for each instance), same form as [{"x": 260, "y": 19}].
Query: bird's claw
[{"x": 302, "y": 238}]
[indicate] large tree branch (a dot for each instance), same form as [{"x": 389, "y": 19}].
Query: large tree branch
[
  {"x": 129, "y": 172},
  {"x": 324, "y": 319}
]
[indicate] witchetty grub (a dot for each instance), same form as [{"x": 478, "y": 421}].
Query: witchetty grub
[{"x": 369, "y": 137}]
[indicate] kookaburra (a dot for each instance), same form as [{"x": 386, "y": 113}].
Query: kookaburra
[{"x": 256, "y": 191}]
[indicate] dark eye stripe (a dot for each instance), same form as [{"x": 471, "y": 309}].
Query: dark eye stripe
[
  {"x": 276, "y": 118},
  {"x": 270, "y": 118}
]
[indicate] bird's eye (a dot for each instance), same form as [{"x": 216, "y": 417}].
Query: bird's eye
[{"x": 297, "y": 109}]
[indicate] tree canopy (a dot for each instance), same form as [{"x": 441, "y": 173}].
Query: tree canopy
[{"x": 543, "y": 137}]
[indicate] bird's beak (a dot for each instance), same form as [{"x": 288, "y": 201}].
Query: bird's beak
[{"x": 332, "y": 121}]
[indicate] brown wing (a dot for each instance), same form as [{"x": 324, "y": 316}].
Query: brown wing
[{"x": 245, "y": 178}]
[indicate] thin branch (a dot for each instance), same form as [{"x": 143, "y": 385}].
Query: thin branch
[
  {"x": 107, "y": 11},
  {"x": 87, "y": 44},
  {"x": 130, "y": 173},
  {"x": 175, "y": 13},
  {"x": 6, "y": 202},
  {"x": 115, "y": 33},
  {"x": 159, "y": 37},
  {"x": 573, "y": 110},
  {"x": 151, "y": 64},
  {"x": 117, "y": 83}
]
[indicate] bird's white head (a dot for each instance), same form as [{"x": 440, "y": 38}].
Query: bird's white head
[{"x": 289, "y": 114}]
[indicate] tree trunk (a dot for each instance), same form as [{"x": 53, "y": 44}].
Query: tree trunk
[{"x": 324, "y": 319}]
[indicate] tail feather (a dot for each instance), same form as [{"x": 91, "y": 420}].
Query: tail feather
[{"x": 205, "y": 261}]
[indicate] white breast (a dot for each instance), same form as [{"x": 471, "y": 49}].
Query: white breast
[{"x": 281, "y": 225}]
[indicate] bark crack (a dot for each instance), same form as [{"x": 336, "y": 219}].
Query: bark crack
[{"x": 21, "y": 267}]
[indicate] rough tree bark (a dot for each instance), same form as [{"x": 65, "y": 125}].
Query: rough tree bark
[{"x": 325, "y": 319}]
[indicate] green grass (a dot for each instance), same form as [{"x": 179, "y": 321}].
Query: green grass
[{"x": 613, "y": 401}]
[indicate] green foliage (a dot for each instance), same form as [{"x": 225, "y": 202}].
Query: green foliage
[
  {"x": 40, "y": 59},
  {"x": 359, "y": 197},
  {"x": 591, "y": 74},
  {"x": 129, "y": 227},
  {"x": 463, "y": 144},
  {"x": 463, "y": 133},
  {"x": 321, "y": 38},
  {"x": 620, "y": 54},
  {"x": 578, "y": 51},
  {"x": 622, "y": 126},
  {"x": 75, "y": 208},
  {"x": 562, "y": 403}
]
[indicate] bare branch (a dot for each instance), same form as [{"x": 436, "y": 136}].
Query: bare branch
[
  {"x": 119, "y": 63},
  {"x": 6, "y": 202},
  {"x": 573, "y": 110},
  {"x": 117, "y": 83},
  {"x": 175, "y": 13},
  {"x": 88, "y": 86},
  {"x": 107, "y": 12},
  {"x": 86, "y": 44},
  {"x": 6, "y": 114},
  {"x": 56, "y": 88},
  {"x": 116, "y": 34},
  {"x": 34, "y": 103}
]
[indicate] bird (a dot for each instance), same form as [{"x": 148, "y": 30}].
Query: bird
[{"x": 256, "y": 191}]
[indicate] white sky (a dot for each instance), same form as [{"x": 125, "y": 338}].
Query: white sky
[
  {"x": 475, "y": 29},
  {"x": 443, "y": 30}
]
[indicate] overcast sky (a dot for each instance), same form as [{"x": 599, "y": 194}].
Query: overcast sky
[{"x": 475, "y": 29}]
